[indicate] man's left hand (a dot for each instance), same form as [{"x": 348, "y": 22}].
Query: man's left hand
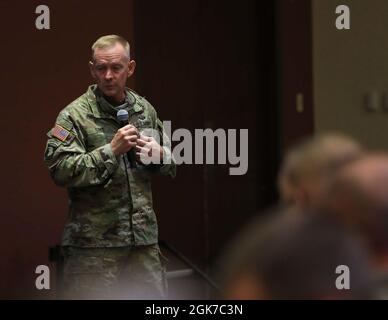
[{"x": 148, "y": 151}]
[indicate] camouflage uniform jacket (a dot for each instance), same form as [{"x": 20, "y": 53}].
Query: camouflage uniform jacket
[{"x": 110, "y": 205}]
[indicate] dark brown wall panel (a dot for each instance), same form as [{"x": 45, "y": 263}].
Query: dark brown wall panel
[
  {"x": 207, "y": 64},
  {"x": 295, "y": 65}
]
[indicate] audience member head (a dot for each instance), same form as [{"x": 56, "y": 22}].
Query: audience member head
[
  {"x": 308, "y": 168},
  {"x": 359, "y": 198}
]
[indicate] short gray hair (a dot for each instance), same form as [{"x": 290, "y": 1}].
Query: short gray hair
[{"x": 110, "y": 41}]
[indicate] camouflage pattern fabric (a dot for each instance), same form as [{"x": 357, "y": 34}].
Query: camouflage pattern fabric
[
  {"x": 114, "y": 273},
  {"x": 110, "y": 205}
]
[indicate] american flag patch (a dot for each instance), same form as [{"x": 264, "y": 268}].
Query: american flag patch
[{"x": 60, "y": 133}]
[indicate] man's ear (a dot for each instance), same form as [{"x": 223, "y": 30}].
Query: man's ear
[
  {"x": 131, "y": 68},
  {"x": 91, "y": 68}
]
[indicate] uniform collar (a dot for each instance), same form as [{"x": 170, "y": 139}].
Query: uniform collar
[{"x": 103, "y": 109}]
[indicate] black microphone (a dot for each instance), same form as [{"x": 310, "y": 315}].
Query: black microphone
[{"x": 123, "y": 119}]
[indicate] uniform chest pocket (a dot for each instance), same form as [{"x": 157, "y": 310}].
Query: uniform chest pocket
[
  {"x": 144, "y": 126},
  {"x": 141, "y": 122}
]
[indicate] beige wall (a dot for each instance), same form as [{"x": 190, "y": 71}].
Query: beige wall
[{"x": 348, "y": 65}]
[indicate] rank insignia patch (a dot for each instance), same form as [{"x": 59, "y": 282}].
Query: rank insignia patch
[{"x": 60, "y": 132}]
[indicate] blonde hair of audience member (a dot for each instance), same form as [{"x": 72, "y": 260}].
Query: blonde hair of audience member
[{"x": 308, "y": 168}]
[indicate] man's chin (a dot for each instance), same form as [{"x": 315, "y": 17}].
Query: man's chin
[{"x": 110, "y": 93}]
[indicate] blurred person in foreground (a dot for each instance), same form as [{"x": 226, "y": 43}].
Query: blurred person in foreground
[{"x": 295, "y": 256}]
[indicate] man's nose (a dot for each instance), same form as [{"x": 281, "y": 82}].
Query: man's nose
[{"x": 108, "y": 74}]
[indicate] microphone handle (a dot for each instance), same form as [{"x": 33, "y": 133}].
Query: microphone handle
[{"x": 131, "y": 155}]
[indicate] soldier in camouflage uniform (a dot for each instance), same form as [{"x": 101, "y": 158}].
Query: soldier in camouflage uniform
[{"x": 110, "y": 238}]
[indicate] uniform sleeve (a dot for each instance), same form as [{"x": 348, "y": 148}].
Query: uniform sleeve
[{"x": 68, "y": 162}]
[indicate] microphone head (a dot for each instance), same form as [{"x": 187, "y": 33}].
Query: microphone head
[{"x": 122, "y": 116}]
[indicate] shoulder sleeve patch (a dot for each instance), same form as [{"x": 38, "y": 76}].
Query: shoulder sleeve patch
[
  {"x": 63, "y": 130},
  {"x": 60, "y": 133}
]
